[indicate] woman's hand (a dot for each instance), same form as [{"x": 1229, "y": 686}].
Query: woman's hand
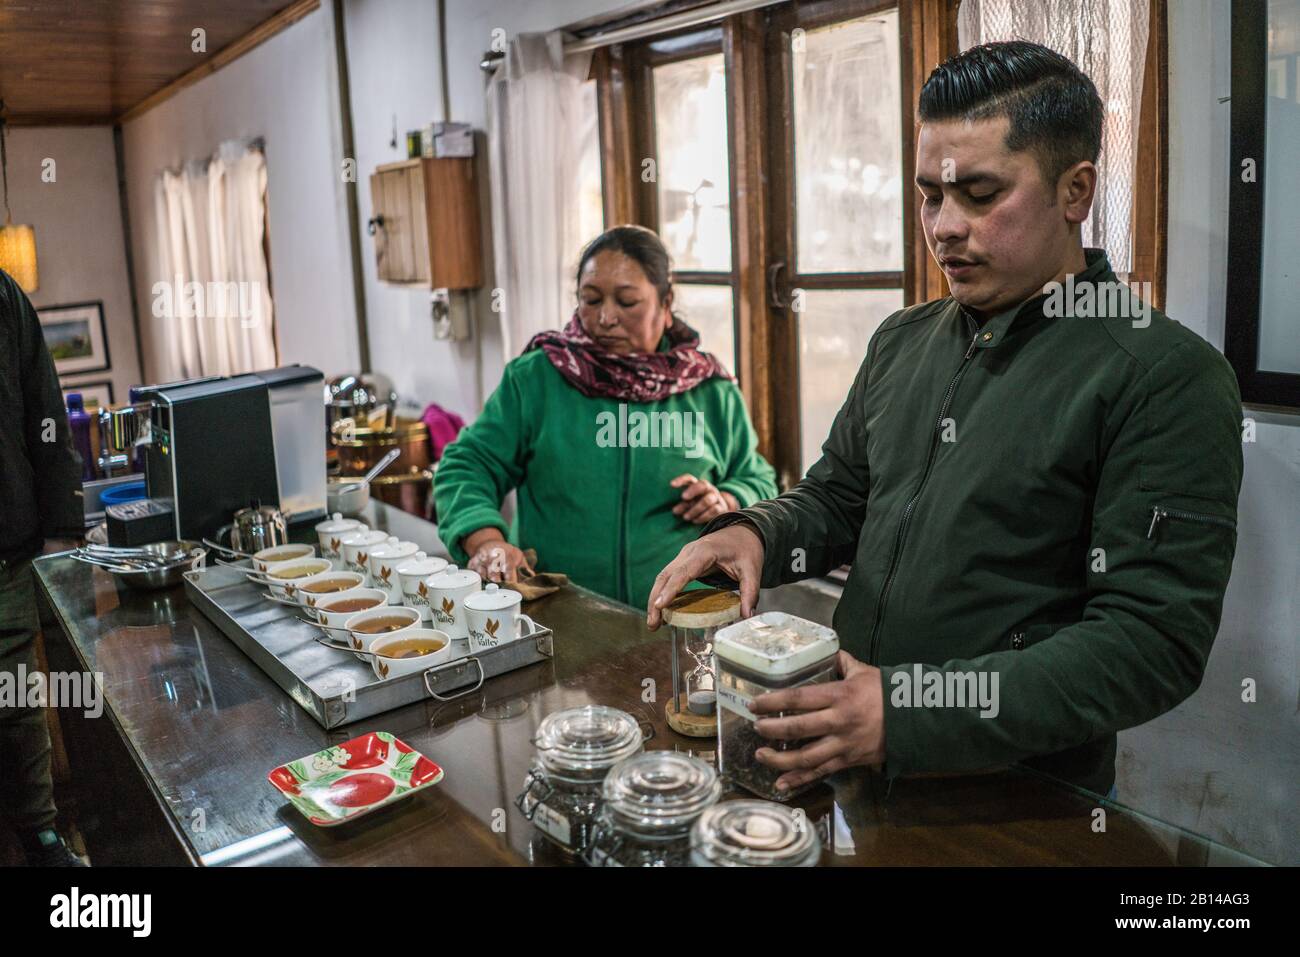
[
  {"x": 495, "y": 559},
  {"x": 701, "y": 501}
]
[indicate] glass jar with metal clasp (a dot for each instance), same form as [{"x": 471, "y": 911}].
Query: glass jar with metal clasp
[
  {"x": 649, "y": 802},
  {"x": 752, "y": 833},
  {"x": 575, "y": 750}
]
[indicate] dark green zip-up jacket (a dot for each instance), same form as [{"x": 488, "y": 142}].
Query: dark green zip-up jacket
[{"x": 1049, "y": 499}]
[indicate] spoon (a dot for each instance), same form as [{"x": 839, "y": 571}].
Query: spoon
[
  {"x": 330, "y": 644},
  {"x": 379, "y": 466}
]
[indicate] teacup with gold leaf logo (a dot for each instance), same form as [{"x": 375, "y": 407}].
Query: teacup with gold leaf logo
[
  {"x": 447, "y": 590},
  {"x": 415, "y": 589},
  {"x": 493, "y": 618}
]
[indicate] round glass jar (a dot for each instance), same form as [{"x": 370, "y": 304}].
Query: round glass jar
[
  {"x": 575, "y": 750},
  {"x": 753, "y": 833},
  {"x": 649, "y": 802}
]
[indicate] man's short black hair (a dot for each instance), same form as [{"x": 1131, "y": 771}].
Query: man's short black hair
[{"x": 1053, "y": 107}]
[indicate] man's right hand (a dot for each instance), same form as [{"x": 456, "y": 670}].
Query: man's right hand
[{"x": 736, "y": 550}]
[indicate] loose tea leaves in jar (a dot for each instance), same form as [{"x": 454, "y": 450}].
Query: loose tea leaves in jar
[
  {"x": 769, "y": 652},
  {"x": 575, "y": 750}
]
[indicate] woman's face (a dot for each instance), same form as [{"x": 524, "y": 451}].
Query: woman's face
[{"x": 619, "y": 307}]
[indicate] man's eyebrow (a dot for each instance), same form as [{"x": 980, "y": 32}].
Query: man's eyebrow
[{"x": 967, "y": 180}]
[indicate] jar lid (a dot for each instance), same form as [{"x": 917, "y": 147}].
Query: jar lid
[
  {"x": 752, "y": 833},
  {"x": 493, "y": 598},
  {"x": 659, "y": 791},
  {"x": 394, "y": 548},
  {"x": 702, "y": 608},
  {"x": 775, "y": 643},
  {"x": 589, "y": 738},
  {"x": 453, "y": 577},
  {"x": 337, "y": 523},
  {"x": 363, "y": 536},
  {"x": 422, "y": 565}
]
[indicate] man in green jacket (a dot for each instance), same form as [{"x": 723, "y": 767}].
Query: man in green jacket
[{"x": 1035, "y": 479}]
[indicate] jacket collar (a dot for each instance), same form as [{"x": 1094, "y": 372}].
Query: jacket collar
[{"x": 995, "y": 328}]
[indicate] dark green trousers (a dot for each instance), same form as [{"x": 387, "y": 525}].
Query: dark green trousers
[{"x": 26, "y": 789}]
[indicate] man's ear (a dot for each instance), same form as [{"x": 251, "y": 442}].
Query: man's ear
[{"x": 1076, "y": 189}]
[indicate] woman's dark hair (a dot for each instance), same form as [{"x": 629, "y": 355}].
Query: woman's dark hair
[
  {"x": 1053, "y": 106},
  {"x": 640, "y": 244}
]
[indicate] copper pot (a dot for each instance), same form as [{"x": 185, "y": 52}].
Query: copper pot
[
  {"x": 360, "y": 450},
  {"x": 411, "y": 492}
]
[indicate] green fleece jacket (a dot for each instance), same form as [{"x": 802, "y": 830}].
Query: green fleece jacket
[
  {"x": 1047, "y": 501},
  {"x": 593, "y": 474}
]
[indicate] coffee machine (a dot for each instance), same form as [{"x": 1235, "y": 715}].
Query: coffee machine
[{"x": 215, "y": 445}]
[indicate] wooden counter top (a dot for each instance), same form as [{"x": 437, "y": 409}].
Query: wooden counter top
[{"x": 175, "y": 769}]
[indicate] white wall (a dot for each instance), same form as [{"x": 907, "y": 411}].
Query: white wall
[
  {"x": 1216, "y": 765},
  {"x": 286, "y": 91},
  {"x": 393, "y": 62},
  {"x": 80, "y": 248}
]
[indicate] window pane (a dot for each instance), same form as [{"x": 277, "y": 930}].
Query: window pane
[
  {"x": 834, "y": 328},
  {"x": 707, "y": 310},
  {"x": 691, "y": 143},
  {"x": 591, "y": 198},
  {"x": 848, "y": 147}
]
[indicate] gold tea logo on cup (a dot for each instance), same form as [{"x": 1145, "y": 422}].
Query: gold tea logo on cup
[
  {"x": 493, "y": 618},
  {"x": 448, "y": 592}
]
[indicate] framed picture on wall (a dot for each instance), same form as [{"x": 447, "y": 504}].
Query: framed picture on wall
[
  {"x": 76, "y": 337},
  {"x": 92, "y": 393}
]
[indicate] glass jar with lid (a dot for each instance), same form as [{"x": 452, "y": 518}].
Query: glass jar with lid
[
  {"x": 649, "y": 802},
  {"x": 753, "y": 833},
  {"x": 575, "y": 750},
  {"x": 693, "y": 618},
  {"x": 769, "y": 652}
]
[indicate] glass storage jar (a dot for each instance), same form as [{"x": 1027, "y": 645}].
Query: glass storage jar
[
  {"x": 575, "y": 750},
  {"x": 649, "y": 802},
  {"x": 769, "y": 652},
  {"x": 753, "y": 833}
]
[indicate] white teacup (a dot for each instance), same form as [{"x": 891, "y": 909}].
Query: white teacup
[
  {"x": 337, "y": 619},
  {"x": 331, "y": 533},
  {"x": 356, "y": 550},
  {"x": 404, "y": 619},
  {"x": 265, "y": 560},
  {"x": 493, "y": 618},
  {"x": 413, "y": 572},
  {"x": 327, "y": 586},
  {"x": 384, "y": 560},
  {"x": 447, "y": 590},
  {"x": 386, "y": 667},
  {"x": 284, "y": 577}
]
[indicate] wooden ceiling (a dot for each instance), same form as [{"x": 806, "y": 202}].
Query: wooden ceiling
[{"x": 90, "y": 61}]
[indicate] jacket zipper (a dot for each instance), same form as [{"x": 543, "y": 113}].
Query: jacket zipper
[
  {"x": 925, "y": 474},
  {"x": 1159, "y": 512},
  {"x": 619, "y": 559}
]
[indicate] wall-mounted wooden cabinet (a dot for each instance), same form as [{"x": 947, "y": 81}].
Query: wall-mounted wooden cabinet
[{"x": 426, "y": 223}]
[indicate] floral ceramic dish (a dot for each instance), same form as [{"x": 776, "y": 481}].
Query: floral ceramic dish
[{"x": 354, "y": 778}]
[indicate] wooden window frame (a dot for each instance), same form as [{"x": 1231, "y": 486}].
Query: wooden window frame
[{"x": 756, "y": 48}]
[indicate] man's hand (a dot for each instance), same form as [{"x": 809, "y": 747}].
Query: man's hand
[
  {"x": 846, "y": 718},
  {"x": 702, "y": 501},
  {"x": 495, "y": 559},
  {"x": 736, "y": 550}
]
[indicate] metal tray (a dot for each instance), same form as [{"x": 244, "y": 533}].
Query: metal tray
[{"x": 333, "y": 686}]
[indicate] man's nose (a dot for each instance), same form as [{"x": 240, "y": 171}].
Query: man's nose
[{"x": 949, "y": 225}]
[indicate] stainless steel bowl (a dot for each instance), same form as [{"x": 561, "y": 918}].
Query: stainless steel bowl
[{"x": 177, "y": 557}]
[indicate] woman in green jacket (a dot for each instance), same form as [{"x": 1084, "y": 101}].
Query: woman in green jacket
[{"x": 620, "y": 436}]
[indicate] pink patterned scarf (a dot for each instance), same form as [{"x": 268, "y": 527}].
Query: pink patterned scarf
[{"x": 637, "y": 377}]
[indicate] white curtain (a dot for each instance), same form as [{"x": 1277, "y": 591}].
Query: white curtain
[
  {"x": 1106, "y": 39},
  {"x": 212, "y": 311},
  {"x": 542, "y": 135}
]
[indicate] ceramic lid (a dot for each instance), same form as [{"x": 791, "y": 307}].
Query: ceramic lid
[
  {"x": 492, "y": 598},
  {"x": 587, "y": 738},
  {"x": 453, "y": 577},
  {"x": 393, "y": 547},
  {"x": 775, "y": 643},
  {"x": 337, "y": 523},
  {"x": 363, "y": 536},
  {"x": 422, "y": 565},
  {"x": 751, "y": 833},
  {"x": 658, "y": 791}
]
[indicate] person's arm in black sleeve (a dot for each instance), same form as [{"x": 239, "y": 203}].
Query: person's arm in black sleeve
[{"x": 55, "y": 462}]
